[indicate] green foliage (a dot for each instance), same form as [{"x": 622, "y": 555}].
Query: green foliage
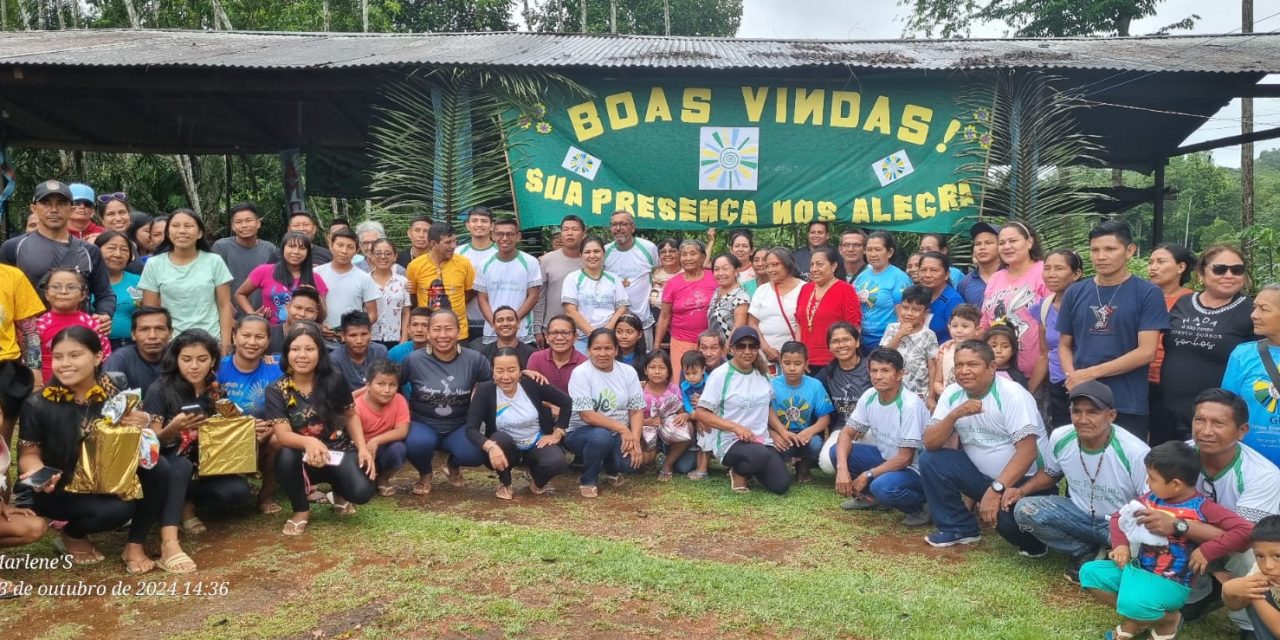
[
  {"x": 641, "y": 17},
  {"x": 1032, "y": 18}
]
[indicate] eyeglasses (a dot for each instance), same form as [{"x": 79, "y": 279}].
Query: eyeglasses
[
  {"x": 384, "y": 254},
  {"x": 747, "y": 346},
  {"x": 559, "y": 334},
  {"x": 63, "y": 288},
  {"x": 108, "y": 197},
  {"x": 1222, "y": 269},
  {"x": 617, "y": 225},
  {"x": 83, "y": 203},
  {"x": 506, "y": 234}
]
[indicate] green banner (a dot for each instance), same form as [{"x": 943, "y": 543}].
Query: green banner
[{"x": 882, "y": 152}]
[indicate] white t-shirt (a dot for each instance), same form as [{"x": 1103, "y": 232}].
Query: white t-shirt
[
  {"x": 891, "y": 426},
  {"x": 347, "y": 292},
  {"x": 1119, "y": 469},
  {"x": 477, "y": 258},
  {"x": 774, "y": 320},
  {"x": 614, "y": 393},
  {"x": 741, "y": 398},
  {"x": 1009, "y": 414},
  {"x": 507, "y": 283},
  {"x": 517, "y": 417},
  {"x": 635, "y": 267},
  {"x": 1249, "y": 486},
  {"x": 597, "y": 299}
]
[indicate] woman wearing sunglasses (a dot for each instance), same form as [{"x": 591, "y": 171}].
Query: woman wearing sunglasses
[{"x": 1204, "y": 328}]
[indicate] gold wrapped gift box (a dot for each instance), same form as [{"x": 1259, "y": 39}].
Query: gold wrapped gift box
[
  {"x": 109, "y": 462},
  {"x": 228, "y": 446}
]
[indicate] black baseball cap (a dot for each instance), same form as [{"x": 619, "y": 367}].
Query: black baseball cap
[
  {"x": 1095, "y": 391},
  {"x": 49, "y": 188},
  {"x": 983, "y": 227}
]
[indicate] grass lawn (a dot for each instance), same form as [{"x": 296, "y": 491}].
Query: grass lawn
[{"x": 684, "y": 559}]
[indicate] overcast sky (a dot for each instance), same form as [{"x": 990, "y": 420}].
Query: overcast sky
[{"x": 855, "y": 20}]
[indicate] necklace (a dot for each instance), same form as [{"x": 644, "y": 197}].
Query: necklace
[
  {"x": 1093, "y": 478},
  {"x": 816, "y": 299},
  {"x": 1097, "y": 291}
]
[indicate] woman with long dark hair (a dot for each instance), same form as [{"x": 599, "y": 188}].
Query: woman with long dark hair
[
  {"x": 608, "y": 415},
  {"x": 317, "y": 427},
  {"x": 277, "y": 281},
  {"x": 189, "y": 280},
  {"x": 117, "y": 254}
]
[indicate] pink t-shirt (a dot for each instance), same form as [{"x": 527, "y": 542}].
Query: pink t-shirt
[
  {"x": 689, "y": 303},
  {"x": 377, "y": 423},
  {"x": 275, "y": 295},
  {"x": 1017, "y": 300},
  {"x": 51, "y": 322}
]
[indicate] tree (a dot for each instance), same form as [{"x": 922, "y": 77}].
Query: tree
[
  {"x": 1033, "y": 18},
  {"x": 640, "y": 17}
]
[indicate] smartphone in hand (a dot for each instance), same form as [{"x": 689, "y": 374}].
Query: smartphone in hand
[{"x": 41, "y": 478}]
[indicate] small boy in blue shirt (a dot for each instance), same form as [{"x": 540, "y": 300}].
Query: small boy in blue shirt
[
  {"x": 693, "y": 368},
  {"x": 802, "y": 409}
]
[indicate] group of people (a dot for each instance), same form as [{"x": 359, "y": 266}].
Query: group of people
[{"x": 954, "y": 398}]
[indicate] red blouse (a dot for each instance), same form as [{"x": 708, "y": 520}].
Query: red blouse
[{"x": 839, "y": 303}]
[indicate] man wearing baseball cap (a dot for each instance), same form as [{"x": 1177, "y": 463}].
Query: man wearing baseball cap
[
  {"x": 1104, "y": 469},
  {"x": 52, "y": 245},
  {"x": 83, "y": 207},
  {"x": 986, "y": 261}
]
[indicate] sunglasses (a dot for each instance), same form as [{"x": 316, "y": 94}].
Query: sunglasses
[
  {"x": 1222, "y": 269},
  {"x": 108, "y": 197},
  {"x": 751, "y": 346}
]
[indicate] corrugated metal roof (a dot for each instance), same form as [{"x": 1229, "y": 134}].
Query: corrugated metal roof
[{"x": 1255, "y": 53}]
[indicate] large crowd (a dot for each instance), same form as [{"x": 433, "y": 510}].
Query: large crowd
[{"x": 1128, "y": 424}]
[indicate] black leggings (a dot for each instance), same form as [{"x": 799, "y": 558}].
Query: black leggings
[
  {"x": 764, "y": 463},
  {"x": 544, "y": 463},
  {"x": 347, "y": 480},
  {"x": 88, "y": 513},
  {"x": 211, "y": 491}
]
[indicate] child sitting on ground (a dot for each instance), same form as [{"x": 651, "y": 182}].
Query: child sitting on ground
[
  {"x": 666, "y": 423},
  {"x": 384, "y": 416},
  {"x": 65, "y": 290},
  {"x": 711, "y": 346},
  {"x": 965, "y": 319},
  {"x": 912, "y": 338},
  {"x": 693, "y": 368},
  {"x": 1149, "y": 590},
  {"x": 1259, "y": 592},
  {"x": 802, "y": 408},
  {"x": 1003, "y": 340}
]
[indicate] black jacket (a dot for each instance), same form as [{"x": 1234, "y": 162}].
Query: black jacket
[{"x": 484, "y": 407}]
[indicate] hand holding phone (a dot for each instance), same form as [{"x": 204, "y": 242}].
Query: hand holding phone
[{"x": 42, "y": 479}]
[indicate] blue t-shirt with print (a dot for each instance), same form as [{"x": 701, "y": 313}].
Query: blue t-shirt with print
[
  {"x": 879, "y": 294},
  {"x": 1247, "y": 377},
  {"x": 248, "y": 390},
  {"x": 799, "y": 407}
]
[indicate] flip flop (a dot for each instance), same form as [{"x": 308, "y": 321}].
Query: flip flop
[
  {"x": 295, "y": 527},
  {"x": 588, "y": 492},
  {"x": 733, "y": 478},
  {"x": 504, "y": 492},
  {"x": 131, "y": 567},
  {"x": 386, "y": 490},
  {"x": 194, "y": 526},
  {"x": 454, "y": 475},
  {"x": 535, "y": 489},
  {"x": 422, "y": 487},
  {"x": 268, "y": 508},
  {"x": 664, "y": 476},
  {"x": 341, "y": 506},
  {"x": 175, "y": 562},
  {"x": 76, "y": 559}
]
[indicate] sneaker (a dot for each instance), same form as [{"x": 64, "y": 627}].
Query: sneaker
[
  {"x": 1193, "y": 611},
  {"x": 1042, "y": 552},
  {"x": 917, "y": 519},
  {"x": 861, "y": 504},
  {"x": 1072, "y": 572},
  {"x": 949, "y": 539}
]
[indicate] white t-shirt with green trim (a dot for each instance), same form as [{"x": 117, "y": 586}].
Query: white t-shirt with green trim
[
  {"x": 893, "y": 426},
  {"x": 1249, "y": 486},
  {"x": 614, "y": 393},
  {"x": 1009, "y": 414},
  {"x": 740, "y": 397},
  {"x": 596, "y": 298},
  {"x": 507, "y": 283},
  {"x": 1119, "y": 469},
  {"x": 635, "y": 267}
]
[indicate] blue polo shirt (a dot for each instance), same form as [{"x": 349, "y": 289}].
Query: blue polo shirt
[
  {"x": 940, "y": 313},
  {"x": 973, "y": 288}
]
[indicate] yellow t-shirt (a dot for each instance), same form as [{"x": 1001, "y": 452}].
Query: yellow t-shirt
[
  {"x": 18, "y": 301},
  {"x": 459, "y": 277}
]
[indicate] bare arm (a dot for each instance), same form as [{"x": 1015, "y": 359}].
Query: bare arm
[
  {"x": 739, "y": 316},
  {"x": 1041, "y": 371},
  {"x": 580, "y": 320},
  {"x": 664, "y": 323},
  {"x": 226, "y": 320},
  {"x": 530, "y": 300},
  {"x": 1143, "y": 355},
  {"x": 371, "y": 308},
  {"x": 482, "y": 299},
  {"x": 242, "y": 296}
]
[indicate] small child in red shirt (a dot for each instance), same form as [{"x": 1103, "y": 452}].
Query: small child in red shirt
[
  {"x": 384, "y": 416},
  {"x": 65, "y": 291}
]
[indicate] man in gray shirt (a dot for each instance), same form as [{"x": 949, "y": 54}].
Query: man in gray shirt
[
  {"x": 244, "y": 251},
  {"x": 556, "y": 266},
  {"x": 358, "y": 349}
]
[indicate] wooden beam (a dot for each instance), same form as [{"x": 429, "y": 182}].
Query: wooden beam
[
  {"x": 1265, "y": 134},
  {"x": 1157, "y": 200},
  {"x": 1261, "y": 91},
  {"x": 19, "y": 112}
]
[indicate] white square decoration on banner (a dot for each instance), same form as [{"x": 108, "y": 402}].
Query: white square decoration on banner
[
  {"x": 581, "y": 163},
  {"x": 892, "y": 168},
  {"x": 729, "y": 159}
]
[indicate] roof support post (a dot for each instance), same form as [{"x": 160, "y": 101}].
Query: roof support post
[{"x": 1157, "y": 202}]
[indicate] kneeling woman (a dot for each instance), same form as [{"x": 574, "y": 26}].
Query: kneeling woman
[
  {"x": 735, "y": 402},
  {"x": 316, "y": 425},
  {"x": 53, "y": 423},
  {"x": 186, "y": 382},
  {"x": 519, "y": 428},
  {"x": 608, "y": 415}
]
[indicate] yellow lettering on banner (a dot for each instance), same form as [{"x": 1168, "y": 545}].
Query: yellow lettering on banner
[
  {"x": 621, "y": 108},
  {"x": 626, "y": 201},
  {"x": 947, "y": 198},
  {"x": 753, "y": 100},
  {"x": 658, "y": 107},
  {"x": 809, "y": 106},
  {"x": 555, "y": 187},
  {"x": 966, "y": 194},
  {"x": 804, "y": 211},
  {"x": 707, "y": 212},
  {"x": 915, "y": 124},
  {"x": 586, "y": 122},
  {"x": 878, "y": 119},
  {"x": 697, "y": 105},
  {"x": 600, "y": 198},
  {"x": 533, "y": 180},
  {"x": 749, "y": 212},
  {"x": 844, "y": 108},
  {"x": 667, "y": 209},
  {"x": 924, "y": 205},
  {"x": 877, "y": 213},
  {"x": 729, "y": 211},
  {"x": 781, "y": 212},
  {"x": 780, "y": 105},
  {"x": 861, "y": 214},
  {"x": 574, "y": 197},
  {"x": 644, "y": 206},
  {"x": 688, "y": 210},
  {"x": 826, "y": 211},
  {"x": 901, "y": 208}
]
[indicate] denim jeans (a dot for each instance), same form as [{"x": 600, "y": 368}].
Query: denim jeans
[
  {"x": 949, "y": 474},
  {"x": 390, "y": 456},
  {"x": 808, "y": 452},
  {"x": 1062, "y": 526},
  {"x": 598, "y": 449},
  {"x": 424, "y": 440},
  {"x": 901, "y": 489}
]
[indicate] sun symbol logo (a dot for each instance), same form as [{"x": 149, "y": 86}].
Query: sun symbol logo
[
  {"x": 1266, "y": 395},
  {"x": 729, "y": 159},
  {"x": 793, "y": 412}
]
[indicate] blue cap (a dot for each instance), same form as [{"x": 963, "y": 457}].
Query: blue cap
[
  {"x": 744, "y": 333},
  {"x": 82, "y": 192}
]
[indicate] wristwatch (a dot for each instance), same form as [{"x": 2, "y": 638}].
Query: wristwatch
[
  {"x": 871, "y": 475},
  {"x": 997, "y": 486},
  {"x": 1180, "y": 528}
]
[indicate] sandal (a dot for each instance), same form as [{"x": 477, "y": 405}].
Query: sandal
[
  {"x": 318, "y": 497},
  {"x": 696, "y": 475},
  {"x": 268, "y": 508},
  {"x": 422, "y": 487},
  {"x": 178, "y": 563},
  {"x": 664, "y": 476},
  {"x": 534, "y": 488},
  {"x": 735, "y": 479},
  {"x": 386, "y": 490},
  {"x": 135, "y": 567},
  {"x": 295, "y": 527},
  {"x": 194, "y": 526},
  {"x": 614, "y": 480},
  {"x": 1117, "y": 634},
  {"x": 588, "y": 492},
  {"x": 81, "y": 558},
  {"x": 504, "y": 492},
  {"x": 342, "y": 506},
  {"x": 454, "y": 475}
]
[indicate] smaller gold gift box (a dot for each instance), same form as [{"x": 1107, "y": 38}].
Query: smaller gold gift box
[{"x": 228, "y": 445}]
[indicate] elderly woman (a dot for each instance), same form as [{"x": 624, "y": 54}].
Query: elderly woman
[
  {"x": 1062, "y": 268},
  {"x": 117, "y": 254},
  {"x": 1169, "y": 267},
  {"x": 685, "y": 301},
  {"x": 608, "y": 415},
  {"x": 934, "y": 273},
  {"x": 773, "y": 306},
  {"x": 1015, "y": 291},
  {"x": 1251, "y": 371},
  {"x": 393, "y": 307},
  {"x": 823, "y": 302}
]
